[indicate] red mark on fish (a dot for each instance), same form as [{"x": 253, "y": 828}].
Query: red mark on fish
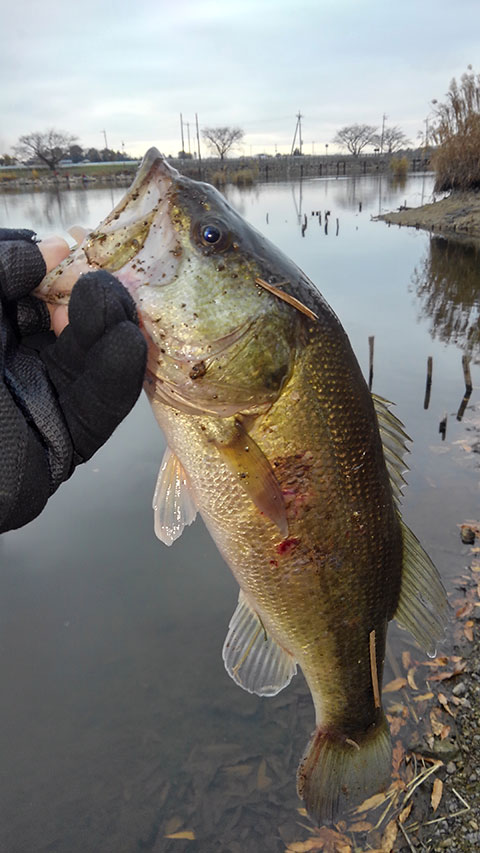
[{"x": 287, "y": 545}]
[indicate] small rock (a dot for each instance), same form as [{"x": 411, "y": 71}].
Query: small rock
[
  {"x": 459, "y": 689},
  {"x": 451, "y": 767}
]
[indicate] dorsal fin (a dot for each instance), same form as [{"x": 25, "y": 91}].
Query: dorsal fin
[{"x": 394, "y": 440}]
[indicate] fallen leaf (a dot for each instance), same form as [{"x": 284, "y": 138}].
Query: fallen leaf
[
  {"x": 443, "y": 676},
  {"x": 389, "y": 836},
  {"x": 468, "y": 630},
  {"x": 423, "y": 697},
  {"x": 410, "y": 677},
  {"x": 445, "y": 732},
  {"x": 465, "y": 610},
  {"x": 396, "y": 724},
  {"x": 395, "y": 685},
  {"x": 360, "y": 826},
  {"x": 436, "y": 724},
  {"x": 436, "y": 662},
  {"x": 302, "y": 812},
  {"x": 263, "y": 780},
  {"x": 186, "y": 834},
  {"x": 444, "y": 703},
  {"x": 305, "y": 846},
  {"x": 437, "y": 791},
  {"x": 371, "y": 803},
  {"x": 405, "y": 812},
  {"x": 406, "y": 660},
  {"x": 397, "y": 756}
]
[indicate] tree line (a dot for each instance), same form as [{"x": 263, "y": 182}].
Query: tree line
[
  {"x": 50, "y": 147},
  {"x": 454, "y": 130}
]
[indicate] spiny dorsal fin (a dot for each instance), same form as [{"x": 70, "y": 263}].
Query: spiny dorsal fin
[
  {"x": 173, "y": 504},
  {"x": 252, "y": 657},
  {"x": 422, "y": 608},
  {"x": 394, "y": 440}
]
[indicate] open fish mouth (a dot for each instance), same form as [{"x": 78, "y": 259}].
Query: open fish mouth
[{"x": 136, "y": 241}]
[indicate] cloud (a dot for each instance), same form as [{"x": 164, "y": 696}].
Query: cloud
[{"x": 133, "y": 69}]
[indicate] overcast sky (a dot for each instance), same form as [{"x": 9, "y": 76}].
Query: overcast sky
[{"x": 130, "y": 67}]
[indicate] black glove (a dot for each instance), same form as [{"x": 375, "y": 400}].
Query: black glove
[{"x": 60, "y": 398}]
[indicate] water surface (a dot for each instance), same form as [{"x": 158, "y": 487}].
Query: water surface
[{"x": 118, "y": 723}]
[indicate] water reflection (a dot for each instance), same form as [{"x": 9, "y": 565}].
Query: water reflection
[
  {"x": 447, "y": 283},
  {"x": 115, "y": 641}
]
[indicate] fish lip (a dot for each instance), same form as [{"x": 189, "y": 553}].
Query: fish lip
[{"x": 148, "y": 198}]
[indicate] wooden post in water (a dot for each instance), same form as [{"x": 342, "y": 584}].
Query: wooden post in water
[
  {"x": 468, "y": 387},
  {"x": 466, "y": 374},
  {"x": 371, "y": 344},
  {"x": 428, "y": 386},
  {"x": 442, "y": 427}
]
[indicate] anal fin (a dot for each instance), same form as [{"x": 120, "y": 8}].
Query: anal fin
[
  {"x": 252, "y": 657},
  {"x": 173, "y": 504}
]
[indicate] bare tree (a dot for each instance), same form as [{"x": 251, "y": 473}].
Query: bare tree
[
  {"x": 355, "y": 137},
  {"x": 49, "y": 147},
  {"x": 393, "y": 139},
  {"x": 221, "y": 139}
]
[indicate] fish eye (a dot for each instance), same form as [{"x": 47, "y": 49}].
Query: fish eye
[{"x": 213, "y": 235}]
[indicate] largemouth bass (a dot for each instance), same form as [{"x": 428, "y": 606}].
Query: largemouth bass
[{"x": 274, "y": 437}]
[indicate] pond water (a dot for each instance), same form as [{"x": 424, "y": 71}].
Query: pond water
[{"x": 118, "y": 723}]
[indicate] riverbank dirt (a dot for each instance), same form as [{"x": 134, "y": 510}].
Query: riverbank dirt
[{"x": 458, "y": 216}]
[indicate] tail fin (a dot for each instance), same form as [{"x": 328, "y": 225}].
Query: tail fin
[{"x": 337, "y": 772}]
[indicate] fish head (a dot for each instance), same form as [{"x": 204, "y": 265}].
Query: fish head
[{"x": 218, "y": 340}]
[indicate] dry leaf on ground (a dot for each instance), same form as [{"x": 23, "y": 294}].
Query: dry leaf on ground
[{"x": 437, "y": 791}]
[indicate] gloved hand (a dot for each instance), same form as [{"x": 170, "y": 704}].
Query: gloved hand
[{"x": 60, "y": 399}]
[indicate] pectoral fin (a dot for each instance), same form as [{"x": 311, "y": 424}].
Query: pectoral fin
[
  {"x": 252, "y": 658},
  {"x": 255, "y": 474},
  {"x": 173, "y": 504}
]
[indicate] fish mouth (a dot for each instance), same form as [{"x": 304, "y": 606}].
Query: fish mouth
[{"x": 127, "y": 241}]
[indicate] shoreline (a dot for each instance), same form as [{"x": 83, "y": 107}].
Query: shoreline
[{"x": 457, "y": 216}]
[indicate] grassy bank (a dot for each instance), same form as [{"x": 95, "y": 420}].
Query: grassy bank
[{"x": 455, "y": 216}]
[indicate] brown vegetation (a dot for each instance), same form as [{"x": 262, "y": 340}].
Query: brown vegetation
[{"x": 457, "y": 135}]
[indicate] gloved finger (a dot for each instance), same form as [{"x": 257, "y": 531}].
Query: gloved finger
[
  {"x": 32, "y": 316},
  {"x": 98, "y": 302},
  {"x": 97, "y": 401},
  {"x": 22, "y": 266},
  {"x": 24, "y": 470}
]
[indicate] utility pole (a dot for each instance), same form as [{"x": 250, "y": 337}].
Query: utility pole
[
  {"x": 298, "y": 128},
  {"x": 105, "y": 136},
  {"x": 198, "y": 139},
  {"x": 188, "y": 134},
  {"x": 181, "y": 131},
  {"x": 383, "y": 133}
]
